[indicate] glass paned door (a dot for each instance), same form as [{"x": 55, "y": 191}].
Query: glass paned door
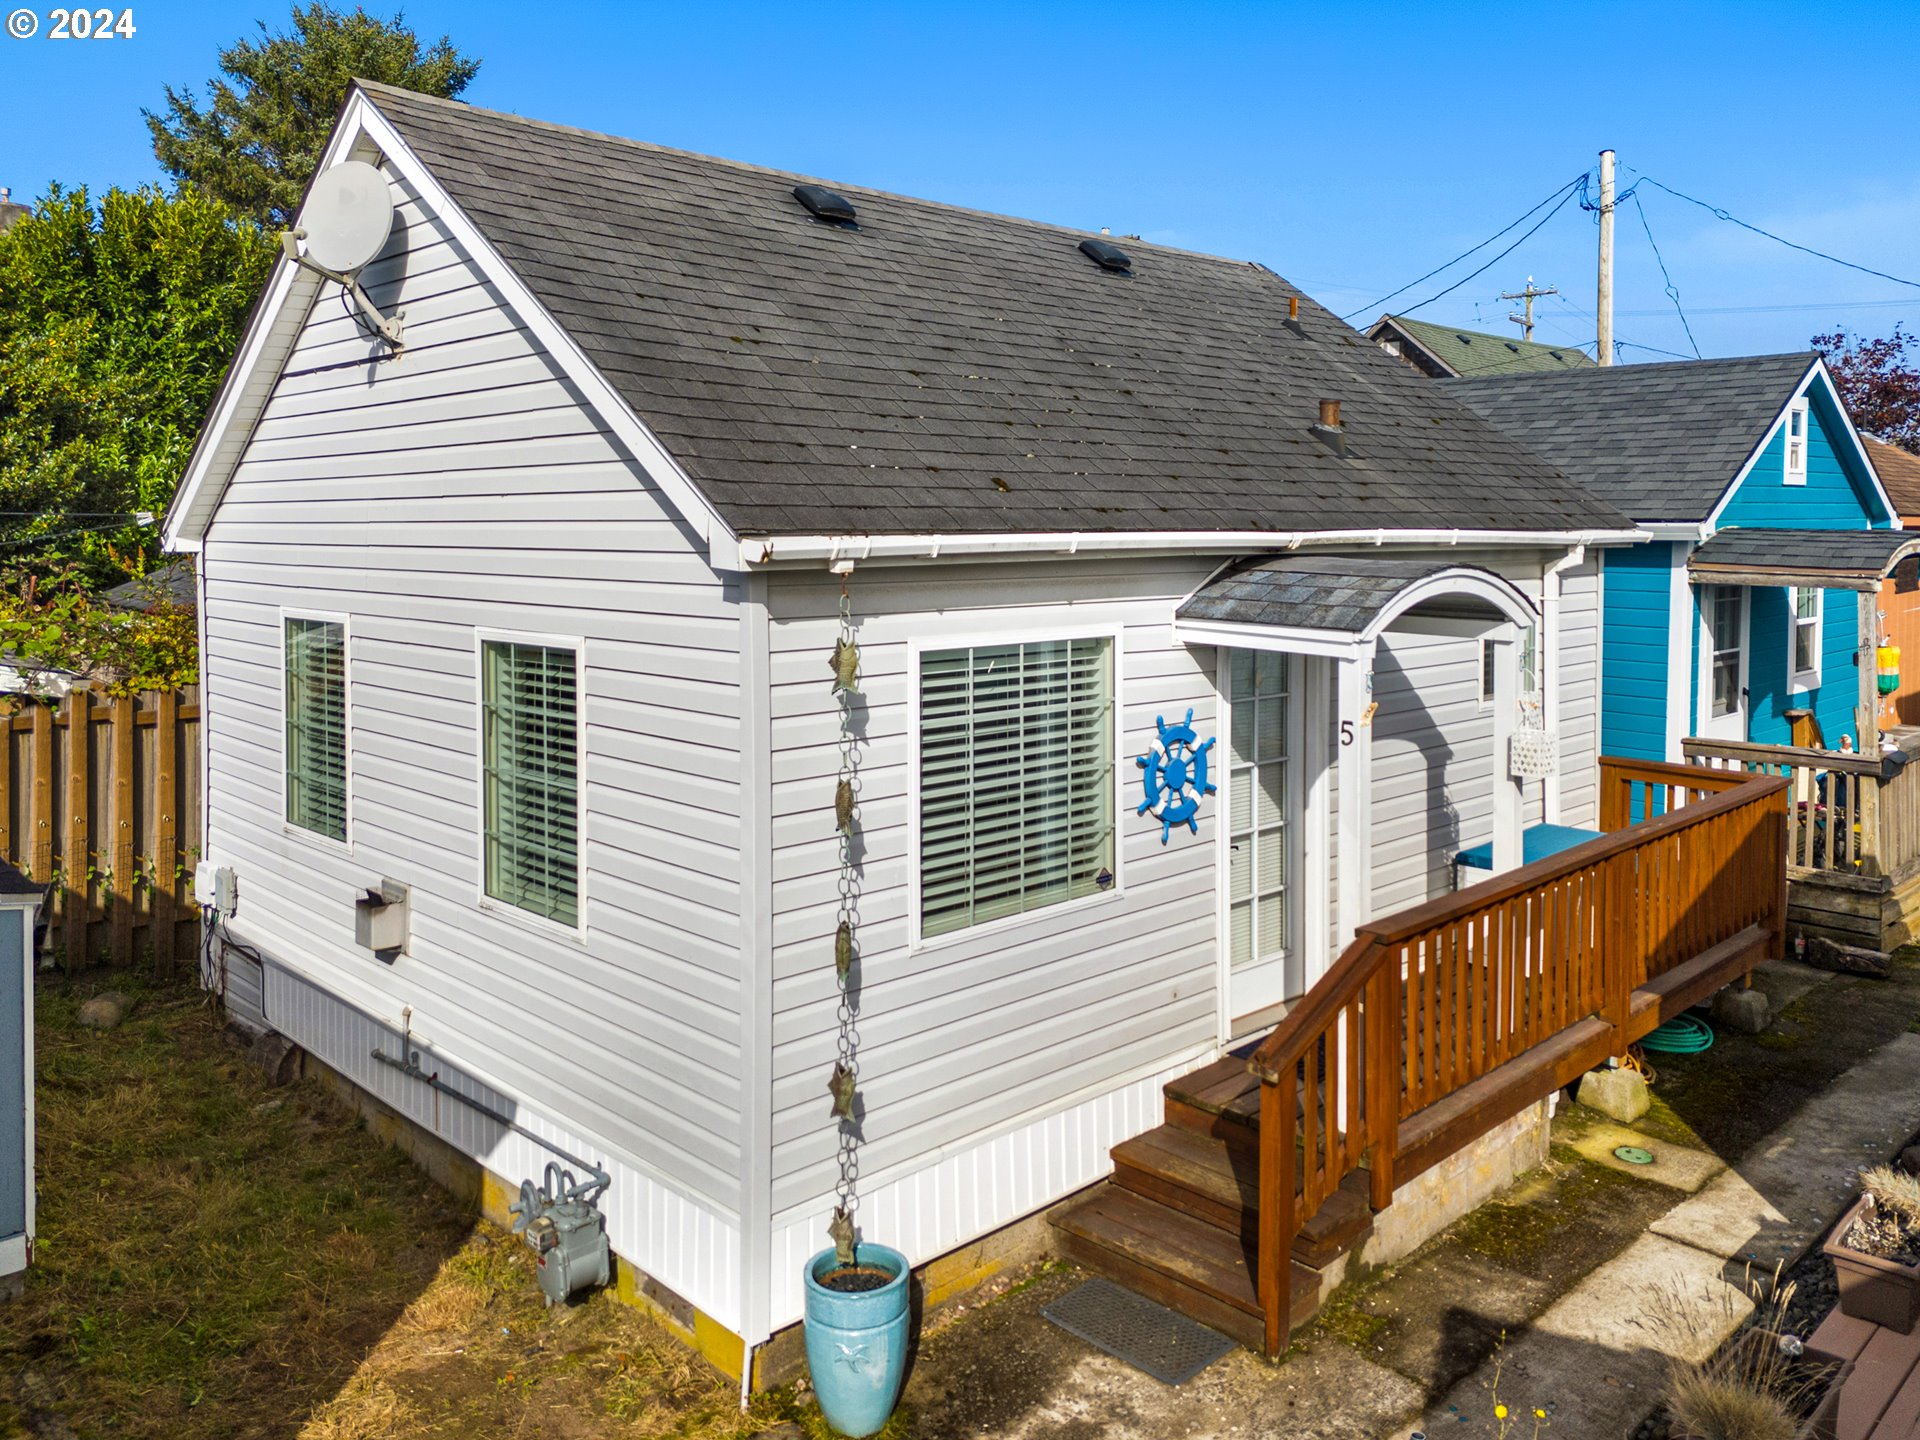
[
  {"x": 1723, "y": 686},
  {"x": 1262, "y": 949}
]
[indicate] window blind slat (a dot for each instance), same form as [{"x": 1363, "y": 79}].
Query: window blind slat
[
  {"x": 316, "y": 726},
  {"x": 531, "y": 772}
]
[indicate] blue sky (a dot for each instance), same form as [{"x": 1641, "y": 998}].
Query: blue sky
[{"x": 1349, "y": 147}]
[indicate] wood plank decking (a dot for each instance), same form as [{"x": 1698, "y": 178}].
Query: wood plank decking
[{"x": 1880, "y": 1399}]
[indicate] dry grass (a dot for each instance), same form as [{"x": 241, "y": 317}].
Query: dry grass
[
  {"x": 1893, "y": 1190},
  {"x": 1712, "y": 1407},
  {"x": 1755, "y": 1387},
  {"x": 221, "y": 1259}
]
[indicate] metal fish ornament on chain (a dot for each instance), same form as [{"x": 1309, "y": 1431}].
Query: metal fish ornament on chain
[
  {"x": 841, "y": 1087},
  {"x": 845, "y": 665},
  {"x": 843, "y": 806},
  {"x": 843, "y": 950},
  {"x": 840, "y": 1231}
]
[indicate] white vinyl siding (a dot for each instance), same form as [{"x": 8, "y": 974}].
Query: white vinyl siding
[
  {"x": 315, "y": 753},
  {"x": 1016, "y": 779},
  {"x": 458, "y": 494},
  {"x": 530, "y": 768}
]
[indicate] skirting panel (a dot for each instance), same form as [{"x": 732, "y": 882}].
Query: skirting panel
[
  {"x": 976, "y": 1190},
  {"x": 675, "y": 1240}
]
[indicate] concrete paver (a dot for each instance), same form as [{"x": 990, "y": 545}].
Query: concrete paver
[{"x": 1678, "y": 1166}]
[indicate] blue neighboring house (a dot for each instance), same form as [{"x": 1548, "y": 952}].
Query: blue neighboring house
[{"x": 1758, "y": 451}]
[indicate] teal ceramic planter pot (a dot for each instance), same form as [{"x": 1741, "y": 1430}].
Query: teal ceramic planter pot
[{"x": 857, "y": 1341}]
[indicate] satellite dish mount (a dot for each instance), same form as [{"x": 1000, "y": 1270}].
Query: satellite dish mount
[{"x": 349, "y": 216}]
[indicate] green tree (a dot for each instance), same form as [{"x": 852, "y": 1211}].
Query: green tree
[
  {"x": 117, "y": 321},
  {"x": 258, "y": 140}
]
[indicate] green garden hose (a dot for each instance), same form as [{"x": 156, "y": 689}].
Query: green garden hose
[{"x": 1682, "y": 1035}]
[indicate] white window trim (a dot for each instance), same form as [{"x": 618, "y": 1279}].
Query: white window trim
[
  {"x": 917, "y": 647},
  {"x": 345, "y": 622},
  {"x": 1703, "y": 628},
  {"x": 1798, "y": 679},
  {"x": 506, "y": 909},
  {"x": 1797, "y": 410}
]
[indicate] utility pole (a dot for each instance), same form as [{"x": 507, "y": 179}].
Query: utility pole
[
  {"x": 1603, "y": 311},
  {"x": 1525, "y": 322}
]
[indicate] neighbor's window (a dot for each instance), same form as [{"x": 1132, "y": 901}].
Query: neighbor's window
[
  {"x": 316, "y": 714},
  {"x": 1806, "y": 637},
  {"x": 1797, "y": 443},
  {"x": 530, "y": 744},
  {"x": 1016, "y": 779}
]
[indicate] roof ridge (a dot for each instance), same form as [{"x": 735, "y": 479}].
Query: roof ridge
[
  {"x": 375, "y": 89},
  {"x": 1588, "y": 373}
]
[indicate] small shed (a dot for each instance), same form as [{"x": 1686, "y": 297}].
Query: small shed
[{"x": 19, "y": 904}]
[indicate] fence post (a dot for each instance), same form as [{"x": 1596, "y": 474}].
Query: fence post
[
  {"x": 40, "y": 821},
  {"x": 166, "y": 842},
  {"x": 1622, "y": 938},
  {"x": 125, "y": 892},
  {"x": 7, "y": 712},
  {"x": 74, "y": 862}
]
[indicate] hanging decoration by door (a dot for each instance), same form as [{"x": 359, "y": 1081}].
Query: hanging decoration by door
[
  {"x": 843, "y": 1085},
  {"x": 1175, "y": 776}
]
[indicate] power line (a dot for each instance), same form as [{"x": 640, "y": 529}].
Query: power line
[
  {"x": 1777, "y": 239},
  {"x": 1673, "y": 291},
  {"x": 1559, "y": 195},
  {"x": 1565, "y": 196}
]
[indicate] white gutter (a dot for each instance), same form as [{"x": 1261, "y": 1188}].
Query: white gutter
[
  {"x": 1687, "y": 532},
  {"x": 769, "y": 550},
  {"x": 1548, "y": 660}
]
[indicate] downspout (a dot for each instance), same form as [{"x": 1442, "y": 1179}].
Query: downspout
[{"x": 1549, "y": 659}]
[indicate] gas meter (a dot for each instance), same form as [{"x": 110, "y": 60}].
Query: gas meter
[{"x": 561, "y": 1222}]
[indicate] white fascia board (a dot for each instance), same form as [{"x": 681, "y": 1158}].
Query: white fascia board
[
  {"x": 1687, "y": 532},
  {"x": 858, "y": 549},
  {"x": 1284, "y": 639},
  {"x": 362, "y": 121},
  {"x": 1817, "y": 371}
]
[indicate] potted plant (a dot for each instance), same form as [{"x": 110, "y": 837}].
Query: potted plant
[
  {"x": 1875, "y": 1251},
  {"x": 856, "y": 1331}
]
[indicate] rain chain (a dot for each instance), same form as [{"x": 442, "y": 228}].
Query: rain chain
[{"x": 844, "y": 1084}]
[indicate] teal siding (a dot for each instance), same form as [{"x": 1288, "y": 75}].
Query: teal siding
[
  {"x": 1833, "y": 702},
  {"x": 1633, "y": 659},
  {"x": 1837, "y": 496}
]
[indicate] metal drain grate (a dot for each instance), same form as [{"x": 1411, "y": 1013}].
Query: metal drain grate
[{"x": 1130, "y": 1327}]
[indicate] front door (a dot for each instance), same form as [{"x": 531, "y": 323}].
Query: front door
[
  {"x": 1723, "y": 662},
  {"x": 1264, "y": 962}
]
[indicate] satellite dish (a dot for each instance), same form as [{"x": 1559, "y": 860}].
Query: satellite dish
[{"x": 347, "y": 217}]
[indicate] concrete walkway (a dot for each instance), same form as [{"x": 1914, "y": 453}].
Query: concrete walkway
[{"x": 1572, "y": 1266}]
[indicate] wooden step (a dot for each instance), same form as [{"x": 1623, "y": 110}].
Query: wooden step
[
  {"x": 1191, "y": 1267},
  {"x": 1220, "y": 1100},
  {"x": 1219, "y": 1184}
]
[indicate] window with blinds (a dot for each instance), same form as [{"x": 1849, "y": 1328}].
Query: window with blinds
[
  {"x": 530, "y": 743},
  {"x": 1016, "y": 779},
  {"x": 316, "y": 715}
]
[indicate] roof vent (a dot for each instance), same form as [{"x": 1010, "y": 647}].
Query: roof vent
[
  {"x": 1107, "y": 257},
  {"x": 1513, "y": 347},
  {"x": 825, "y": 204},
  {"x": 1463, "y": 339}
]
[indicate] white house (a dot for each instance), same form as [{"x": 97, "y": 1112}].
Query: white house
[{"x": 534, "y": 618}]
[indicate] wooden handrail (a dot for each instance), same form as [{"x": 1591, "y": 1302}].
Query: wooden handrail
[
  {"x": 1848, "y": 762},
  {"x": 1433, "y": 998}
]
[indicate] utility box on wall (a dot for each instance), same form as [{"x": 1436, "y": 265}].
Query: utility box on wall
[{"x": 19, "y": 903}]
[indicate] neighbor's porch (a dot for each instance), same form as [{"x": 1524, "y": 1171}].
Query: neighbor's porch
[{"x": 1853, "y": 819}]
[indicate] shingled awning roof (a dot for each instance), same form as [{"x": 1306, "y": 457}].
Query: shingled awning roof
[
  {"x": 1823, "y": 559},
  {"x": 1661, "y": 441},
  {"x": 939, "y": 370},
  {"x": 1331, "y": 604}
]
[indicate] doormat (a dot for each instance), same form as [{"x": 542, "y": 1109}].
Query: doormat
[{"x": 1130, "y": 1327}]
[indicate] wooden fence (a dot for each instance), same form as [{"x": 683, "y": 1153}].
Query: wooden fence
[
  {"x": 100, "y": 796},
  {"x": 1439, "y": 1022}
]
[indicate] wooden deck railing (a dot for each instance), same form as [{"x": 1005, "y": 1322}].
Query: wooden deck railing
[
  {"x": 1848, "y": 814},
  {"x": 1441, "y": 1021}
]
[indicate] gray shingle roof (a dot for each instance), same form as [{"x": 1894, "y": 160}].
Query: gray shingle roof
[
  {"x": 945, "y": 371},
  {"x": 1660, "y": 441},
  {"x": 1899, "y": 472},
  {"x": 1861, "y": 554},
  {"x": 1315, "y": 592}
]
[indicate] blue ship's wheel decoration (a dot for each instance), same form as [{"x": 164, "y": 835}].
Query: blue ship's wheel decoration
[{"x": 1176, "y": 776}]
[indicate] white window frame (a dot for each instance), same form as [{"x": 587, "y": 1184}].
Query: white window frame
[
  {"x": 345, "y": 622},
  {"x": 1526, "y": 645},
  {"x": 1796, "y": 412},
  {"x": 1037, "y": 633},
  {"x": 1809, "y": 679},
  {"x": 506, "y": 909}
]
